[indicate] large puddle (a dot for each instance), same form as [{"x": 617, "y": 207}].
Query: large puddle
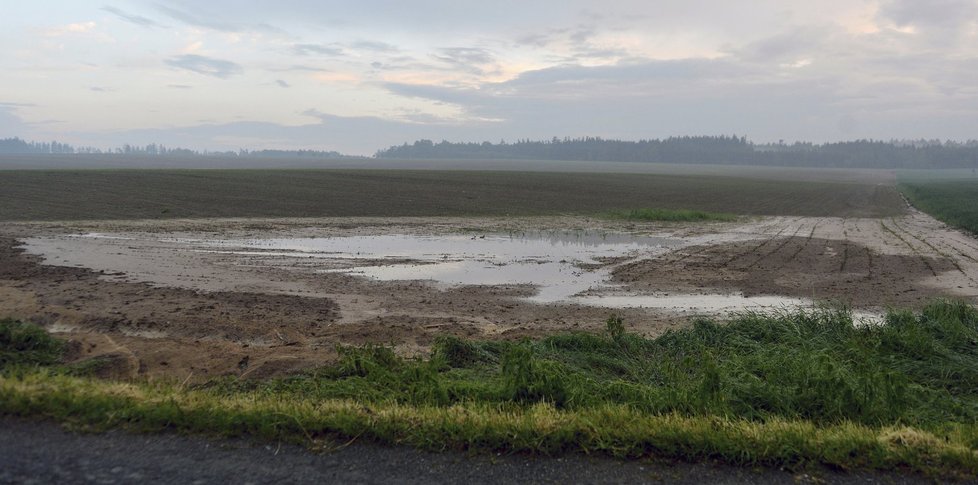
[
  {"x": 560, "y": 265},
  {"x": 564, "y": 267}
]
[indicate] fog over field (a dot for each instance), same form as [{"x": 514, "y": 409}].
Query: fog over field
[{"x": 356, "y": 78}]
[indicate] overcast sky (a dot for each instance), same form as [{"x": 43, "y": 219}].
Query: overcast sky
[{"x": 358, "y": 76}]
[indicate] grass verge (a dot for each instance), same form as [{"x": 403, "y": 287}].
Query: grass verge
[
  {"x": 671, "y": 215},
  {"x": 953, "y": 202},
  {"x": 795, "y": 389}
]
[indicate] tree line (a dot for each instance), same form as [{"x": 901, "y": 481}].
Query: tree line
[
  {"x": 734, "y": 150},
  {"x": 721, "y": 149},
  {"x": 17, "y": 146}
]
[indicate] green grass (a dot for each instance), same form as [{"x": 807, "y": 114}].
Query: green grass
[
  {"x": 23, "y": 343},
  {"x": 795, "y": 389},
  {"x": 671, "y": 215},
  {"x": 816, "y": 366},
  {"x": 954, "y": 202}
]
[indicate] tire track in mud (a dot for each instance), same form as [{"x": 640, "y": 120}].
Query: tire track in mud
[
  {"x": 931, "y": 246},
  {"x": 801, "y": 247},
  {"x": 681, "y": 254},
  {"x": 945, "y": 225},
  {"x": 967, "y": 237},
  {"x": 969, "y": 246},
  {"x": 948, "y": 244},
  {"x": 869, "y": 263},
  {"x": 687, "y": 254},
  {"x": 937, "y": 250},
  {"x": 845, "y": 247},
  {"x": 911, "y": 246},
  {"x": 784, "y": 242},
  {"x": 757, "y": 247},
  {"x": 866, "y": 249}
]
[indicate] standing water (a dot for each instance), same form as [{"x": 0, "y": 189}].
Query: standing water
[
  {"x": 559, "y": 264},
  {"x": 565, "y": 267}
]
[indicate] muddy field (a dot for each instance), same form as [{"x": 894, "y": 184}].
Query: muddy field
[
  {"x": 173, "y": 299},
  {"x": 33, "y": 195}
]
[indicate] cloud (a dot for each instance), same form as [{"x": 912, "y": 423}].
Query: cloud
[
  {"x": 582, "y": 34},
  {"x": 132, "y": 18},
  {"x": 76, "y": 28},
  {"x": 464, "y": 55},
  {"x": 317, "y": 49},
  {"x": 466, "y": 97},
  {"x": 943, "y": 14},
  {"x": 662, "y": 98},
  {"x": 354, "y": 135},
  {"x": 11, "y": 124},
  {"x": 469, "y": 59},
  {"x": 207, "y": 66},
  {"x": 212, "y": 24},
  {"x": 375, "y": 46},
  {"x": 792, "y": 45},
  {"x": 937, "y": 23},
  {"x": 534, "y": 39},
  {"x": 299, "y": 68},
  {"x": 786, "y": 68}
]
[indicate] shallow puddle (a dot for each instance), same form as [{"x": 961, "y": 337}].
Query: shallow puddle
[
  {"x": 565, "y": 268},
  {"x": 562, "y": 266},
  {"x": 571, "y": 246},
  {"x": 697, "y": 304},
  {"x": 553, "y": 262}
]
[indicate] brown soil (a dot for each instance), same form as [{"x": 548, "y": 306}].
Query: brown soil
[
  {"x": 185, "y": 333},
  {"x": 148, "y": 308},
  {"x": 794, "y": 266}
]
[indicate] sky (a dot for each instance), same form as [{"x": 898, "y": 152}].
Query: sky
[{"x": 360, "y": 76}]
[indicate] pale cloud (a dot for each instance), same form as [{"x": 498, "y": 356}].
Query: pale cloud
[
  {"x": 376, "y": 46},
  {"x": 132, "y": 18},
  {"x": 214, "y": 22},
  {"x": 317, "y": 49},
  {"x": 75, "y": 28},
  {"x": 193, "y": 47},
  {"x": 336, "y": 77},
  {"x": 207, "y": 66}
]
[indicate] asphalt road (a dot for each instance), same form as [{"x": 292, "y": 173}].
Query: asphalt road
[{"x": 42, "y": 453}]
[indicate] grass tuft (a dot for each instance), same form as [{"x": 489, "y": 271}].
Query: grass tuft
[
  {"x": 671, "y": 215},
  {"x": 27, "y": 344}
]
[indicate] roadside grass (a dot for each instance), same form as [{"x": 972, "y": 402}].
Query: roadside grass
[
  {"x": 671, "y": 215},
  {"x": 795, "y": 389},
  {"x": 953, "y": 202}
]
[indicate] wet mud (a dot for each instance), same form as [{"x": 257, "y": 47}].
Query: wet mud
[{"x": 154, "y": 305}]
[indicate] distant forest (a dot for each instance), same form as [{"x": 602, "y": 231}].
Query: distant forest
[
  {"x": 16, "y": 146},
  {"x": 708, "y": 149},
  {"x": 723, "y": 150}
]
